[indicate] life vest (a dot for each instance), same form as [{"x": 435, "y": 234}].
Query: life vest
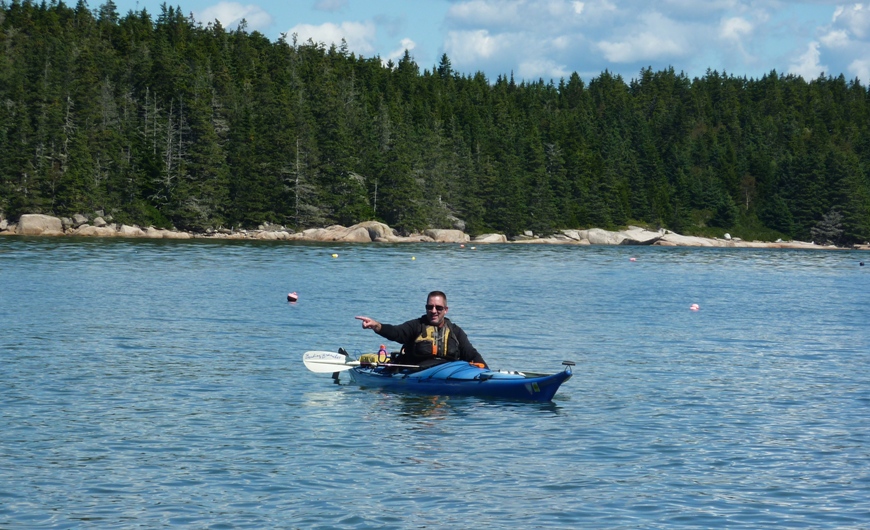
[{"x": 429, "y": 342}]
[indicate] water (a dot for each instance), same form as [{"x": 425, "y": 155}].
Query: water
[{"x": 160, "y": 383}]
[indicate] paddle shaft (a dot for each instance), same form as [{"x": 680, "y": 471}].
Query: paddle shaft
[
  {"x": 350, "y": 364},
  {"x": 329, "y": 362}
]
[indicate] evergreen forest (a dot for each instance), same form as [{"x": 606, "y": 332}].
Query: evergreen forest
[{"x": 167, "y": 121}]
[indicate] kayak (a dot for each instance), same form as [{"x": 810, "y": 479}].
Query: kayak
[{"x": 456, "y": 378}]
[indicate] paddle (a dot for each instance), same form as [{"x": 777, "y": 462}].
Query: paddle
[{"x": 326, "y": 362}]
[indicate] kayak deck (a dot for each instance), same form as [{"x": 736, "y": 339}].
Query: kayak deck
[{"x": 458, "y": 378}]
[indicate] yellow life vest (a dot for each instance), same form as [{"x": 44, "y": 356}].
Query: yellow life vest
[{"x": 429, "y": 342}]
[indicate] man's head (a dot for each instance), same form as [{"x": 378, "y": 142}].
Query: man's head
[{"x": 436, "y": 308}]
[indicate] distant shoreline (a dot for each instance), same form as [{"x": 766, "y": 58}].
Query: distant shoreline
[{"x": 373, "y": 231}]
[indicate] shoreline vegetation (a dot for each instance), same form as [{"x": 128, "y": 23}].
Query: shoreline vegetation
[
  {"x": 377, "y": 232},
  {"x": 162, "y": 120}
]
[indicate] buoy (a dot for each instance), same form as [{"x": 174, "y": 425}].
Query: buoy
[
  {"x": 473, "y": 248},
  {"x": 292, "y": 297},
  {"x": 413, "y": 258},
  {"x": 632, "y": 259},
  {"x": 694, "y": 307},
  {"x": 335, "y": 255},
  {"x": 462, "y": 245}
]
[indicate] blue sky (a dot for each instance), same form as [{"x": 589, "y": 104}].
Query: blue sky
[{"x": 550, "y": 39}]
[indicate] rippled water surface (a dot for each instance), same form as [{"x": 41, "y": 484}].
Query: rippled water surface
[{"x": 151, "y": 384}]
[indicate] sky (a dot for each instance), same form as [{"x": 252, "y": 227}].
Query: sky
[{"x": 551, "y": 39}]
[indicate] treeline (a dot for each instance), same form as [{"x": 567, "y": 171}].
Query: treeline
[{"x": 168, "y": 121}]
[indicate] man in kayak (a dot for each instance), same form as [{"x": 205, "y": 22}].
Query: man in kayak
[{"x": 431, "y": 339}]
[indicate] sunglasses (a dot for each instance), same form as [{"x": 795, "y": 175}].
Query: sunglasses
[{"x": 430, "y": 307}]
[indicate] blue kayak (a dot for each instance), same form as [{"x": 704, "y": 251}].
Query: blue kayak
[{"x": 458, "y": 378}]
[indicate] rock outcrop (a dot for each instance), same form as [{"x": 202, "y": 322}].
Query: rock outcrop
[
  {"x": 641, "y": 236},
  {"x": 130, "y": 231},
  {"x": 447, "y": 236},
  {"x": 377, "y": 231},
  {"x": 35, "y": 224},
  {"x": 598, "y": 236},
  {"x": 374, "y": 231},
  {"x": 335, "y": 233},
  {"x": 490, "y": 238},
  {"x": 95, "y": 231},
  {"x": 671, "y": 239}
]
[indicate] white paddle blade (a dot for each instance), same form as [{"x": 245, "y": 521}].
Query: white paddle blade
[{"x": 327, "y": 362}]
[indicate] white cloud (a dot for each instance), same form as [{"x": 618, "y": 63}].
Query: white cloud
[
  {"x": 398, "y": 53},
  {"x": 605, "y": 5},
  {"x": 705, "y": 10},
  {"x": 330, "y": 5},
  {"x": 562, "y": 42},
  {"x": 470, "y": 46},
  {"x": 556, "y": 8},
  {"x": 655, "y": 37},
  {"x": 860, "y": 68},
  {"x": 359, "y": 36},
  {"x": 641, "y": 47},
  {"x": 541, "y": 17},
  {"x": 844, "y": 45},
  {"x": 855, "y": 18},
  {"x": 807, "y": 65},
  {"x": 541, "y": 68},
  {"x": 490, "y": 13},
  {"x": 835, "y": 39},
  {"x": 745, "y": 37},
  {"x": 735, "y": 28},
  {"x": 231, "y": 13},
  {"x": 736, "y": 31}
]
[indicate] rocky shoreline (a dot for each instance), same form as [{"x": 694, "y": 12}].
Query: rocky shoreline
[{"x": 373, "y": 231}]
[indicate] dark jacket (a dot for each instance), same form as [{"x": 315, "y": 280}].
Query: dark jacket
[{"x": 417, "y": 348}]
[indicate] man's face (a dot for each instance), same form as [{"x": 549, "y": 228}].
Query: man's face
[{"x": 436, "y": 310}]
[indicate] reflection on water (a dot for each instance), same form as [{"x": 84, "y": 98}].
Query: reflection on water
[{"x": 424, "y": 407}]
